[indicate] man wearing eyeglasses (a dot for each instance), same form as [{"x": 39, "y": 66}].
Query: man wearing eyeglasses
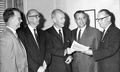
[
  {"x": 36, "y": 42},
  {"x": 107, "y": 55}
]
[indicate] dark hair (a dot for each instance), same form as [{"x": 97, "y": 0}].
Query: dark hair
[
  {"x": 8, "y": 13},
  {"x": 56, "y": 11},
  {"x": 81, "y": 11},
  {"x": 106, "y": 11},
  {"x": 110, "y": 14}
]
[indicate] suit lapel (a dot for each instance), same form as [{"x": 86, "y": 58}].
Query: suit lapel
[
  {"x": 74, "y": 34},
  {"x": 40, "y": 39},
  {"x": 56, "y": 34},
  {"x": 107, "y": 32},
  {"x": 85, "y": 32},
  {"x": 18, "y": 46},
  {"x": 30, "y": 36},
  {"x": 64, "y": 35}
]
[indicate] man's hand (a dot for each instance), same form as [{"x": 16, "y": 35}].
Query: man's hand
[
  {"x": 44, "y": 65},
  {"x": 41, "y": 69},
  {"x": 68, "y": 60},
  {"x": 70, "y": 50},
  {"x": 88, "y": 52}
]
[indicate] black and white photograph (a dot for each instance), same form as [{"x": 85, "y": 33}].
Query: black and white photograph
[{"x": 59, "y": 35}]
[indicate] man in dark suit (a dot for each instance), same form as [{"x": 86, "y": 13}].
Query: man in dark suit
[
  {"x": 36, "y": 42},
  {"x": 61, "y": 41},
  {"x": 107, "y": 55},
  {"x": 13, "y": 57},
  {"x": 89, "y": 36}
]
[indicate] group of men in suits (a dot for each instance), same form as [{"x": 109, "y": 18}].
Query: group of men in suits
[
  {"x": 108, "y": 53},
  {"x": 49, "y": 51}
]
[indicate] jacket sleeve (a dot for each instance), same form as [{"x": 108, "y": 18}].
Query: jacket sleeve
[
  {"x": 49, "y": 46},
  {"x": 113, "y": 43}
]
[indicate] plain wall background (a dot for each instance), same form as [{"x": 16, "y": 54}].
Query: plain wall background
[{"x": 70, "y": 7}]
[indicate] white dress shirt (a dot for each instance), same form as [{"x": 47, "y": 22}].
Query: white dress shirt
[
  {"x": 82, "y": 30},
  {"x": 58, "y": 32}
]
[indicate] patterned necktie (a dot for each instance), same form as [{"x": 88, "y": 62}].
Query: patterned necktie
[
  {"x": 35, "y": 33},
  {"x": 79, "y": 35},
  {"x": 60, "y": 34}
]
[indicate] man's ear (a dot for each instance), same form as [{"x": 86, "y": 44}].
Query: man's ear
[
  {"x": 54, "y": 20},
  {"x": 109, "y": 18},
  {"x": 11, "y": 19}
]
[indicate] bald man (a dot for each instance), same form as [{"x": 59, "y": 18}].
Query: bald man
[
  {"x": 36, "y": 43},
  {"x": 61, "y": 41}
]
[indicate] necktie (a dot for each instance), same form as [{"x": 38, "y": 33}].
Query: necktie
[
  {"x": 103, "y": 34},
  {"x": 35, "y": 33},
  {"x": 36, "y": 37},
  {"x": 79, "y": 35},
  {"x": 60, "y": 34}
]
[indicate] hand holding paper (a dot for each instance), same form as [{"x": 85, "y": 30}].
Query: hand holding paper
[{"x": 69, "y": 50}]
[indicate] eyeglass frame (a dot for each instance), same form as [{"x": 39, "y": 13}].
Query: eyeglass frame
[
  {"x": 100, "y": 19},
  {"x": 37, "y": 16}
]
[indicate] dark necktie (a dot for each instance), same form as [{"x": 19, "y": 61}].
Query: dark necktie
[
  {"x": 103, "y": 34},
  {"x": 36, "y": 36},
  {"x": 35, "y": 33},
  {"x": 79, "y": 35},
  {"x": 60, "y": 34}
]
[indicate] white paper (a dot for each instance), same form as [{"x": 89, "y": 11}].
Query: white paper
[{"x": 78, "y": 47}]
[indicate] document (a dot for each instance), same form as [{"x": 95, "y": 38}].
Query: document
[{"x": 78, "y": 47}]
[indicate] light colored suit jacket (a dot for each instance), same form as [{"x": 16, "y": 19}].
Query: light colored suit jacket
[
  {"x": 13, "y": 56},
  {"x": 82, "y": 62}
]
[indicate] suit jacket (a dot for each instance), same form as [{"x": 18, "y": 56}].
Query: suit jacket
[
  {"x": 36, "y": 54},
  {"x": 13, "y": 56},
  {"x": 82, "y": 62},
  {"x": 58, "y": 60},
  {"x": 107, "y": 55}
]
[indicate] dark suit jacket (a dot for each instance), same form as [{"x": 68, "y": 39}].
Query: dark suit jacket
[
  {"x": 36, "y": 55},
  {"x": 58, "y": 59},
  {"x": 107, "y": 55},
  {"x": 82, "y": 62}
]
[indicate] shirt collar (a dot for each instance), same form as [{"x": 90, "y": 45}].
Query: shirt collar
[
  {"x": 107, "y": 27},
  {"x": 57, "y": 29},
  {"x": 14, "y": 31},
  {"x": 31, "y": 28},
  {"x": 82, "y": 29}
]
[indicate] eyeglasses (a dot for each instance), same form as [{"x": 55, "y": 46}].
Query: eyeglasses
[
  {"x": 37, "y": 16},
  {"x": 100, "y": 19}
]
